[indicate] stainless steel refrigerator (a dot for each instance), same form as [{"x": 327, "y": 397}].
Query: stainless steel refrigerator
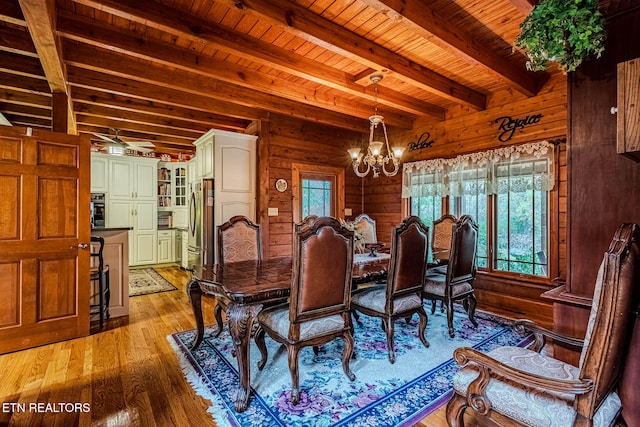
[{"x": 200, "y": 246}]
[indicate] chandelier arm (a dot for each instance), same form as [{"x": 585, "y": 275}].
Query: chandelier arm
[
  {"x": 357, "y": 172},
  {"x": 396, "y": 166},
  {"x": 386, "y": 140}
]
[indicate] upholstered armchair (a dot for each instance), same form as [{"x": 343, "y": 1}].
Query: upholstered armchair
[
  {"x": 400, "y": 296},
  {"x": 456, "y": 283},
  {"x": 519, "y": 386},
  {"x": 319, "y": 303},
  {"x": 239, "y": 239}
]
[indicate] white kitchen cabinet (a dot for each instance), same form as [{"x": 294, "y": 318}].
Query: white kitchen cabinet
[
  {"x": 235, "y": 176},
  {"x": 133, "y": 178},
  {"x": 181, "y": 217},
  {"x": 166, "y": 250},
  {"x": 99, "y": 173},
  {"x": 205, "y": 155},
  {"x": 145, "y": 248}
]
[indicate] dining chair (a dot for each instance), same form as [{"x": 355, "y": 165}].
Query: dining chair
[
  {"x": 400, "y": 297},
  {"x": 456, "y": 283},
  {"x": 366, "y": 227},
  {"x": 99, "y": 273},
  {"x": 239, "y": 239},
  {"x": 520, "y": 386},
  {"x": 441, "y": 234},
  {"x": 319, "y": 302}
]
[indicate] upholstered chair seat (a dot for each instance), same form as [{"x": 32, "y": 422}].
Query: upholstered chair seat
[
  {"x": 277, "y": 319},
  {"x": 373, "y": 298},
  {"x": 435, "y": 284},
  {"x": 532, "y": 406}
]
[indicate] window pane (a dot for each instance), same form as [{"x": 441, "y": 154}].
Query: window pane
[
  {"x": 316, "y": 197},
  {"x": 521, "y": 219},
  {"x": 474, "y": 203},
  {"x": 428, "y": 209}
]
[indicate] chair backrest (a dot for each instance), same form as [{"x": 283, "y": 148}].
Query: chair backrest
[
  {"x": 366, "y": 227},
  {"x": 610, "y": 324},
  {"x": 309, "y": 219},
  {"x": 442, "y": 232},
  {"x": 408, "y": 262},
  {"x": 322, "y": 267},
  {"x": 96, "y": 254},
  {"x": 462, "y": 256},
  {"x": 239, "y": 239}
]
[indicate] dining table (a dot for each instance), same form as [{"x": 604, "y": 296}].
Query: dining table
[{"x": 247, "y": 286}]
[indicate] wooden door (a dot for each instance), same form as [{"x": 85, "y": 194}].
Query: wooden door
[{"x": 44, "y": 227}]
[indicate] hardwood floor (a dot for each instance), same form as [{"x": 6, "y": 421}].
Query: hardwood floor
[{"x": 126, "y": 375}]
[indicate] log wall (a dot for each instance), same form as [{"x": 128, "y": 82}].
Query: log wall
[
  {"x": 465, "y": 132},
  {"x": 295, "y": 141}
]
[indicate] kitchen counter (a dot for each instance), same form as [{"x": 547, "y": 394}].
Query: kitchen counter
[
  {"x": 116, "y": 256},
  {"x": 111, "y": 229}
]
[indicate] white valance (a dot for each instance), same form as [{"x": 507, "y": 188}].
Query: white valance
[{"x": 515, "y": 168}]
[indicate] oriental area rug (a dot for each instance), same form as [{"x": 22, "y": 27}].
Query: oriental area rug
[
  {"x": 147, "y": 281},
  {"x": 382, "y": 395}
]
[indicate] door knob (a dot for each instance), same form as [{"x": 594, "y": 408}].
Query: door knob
[{"x": 80, "y": 246}]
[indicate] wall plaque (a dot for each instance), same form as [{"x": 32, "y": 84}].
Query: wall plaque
[
  {"x": 422, "y": 142},
  {"x": 509, "y": 125}
]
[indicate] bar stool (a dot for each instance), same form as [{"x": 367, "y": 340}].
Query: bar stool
[{"x": 99, "y": 274}]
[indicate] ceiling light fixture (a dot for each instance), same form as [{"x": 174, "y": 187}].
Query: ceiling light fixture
[{"x": 373, "y": 158}]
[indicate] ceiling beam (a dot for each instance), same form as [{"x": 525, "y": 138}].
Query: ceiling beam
[
  {"x": 103, "y": 60},
  {"x": 40, "y": 16},
  {"x": 97, "y": 34},
  {"x": 177, "y": 22},
  {"x": 524, "y": 6},
  {"x": 167, "y": 85},
  {"x": 17, "y": 40},
  {"x": 326, "y": 33},
  {"x": 86, "y": 99},
  {"x": 148, "y": 128},
  {"x": 419, "y": 14},
  {"x": 21, "y": 65},
  {"x": 10, "y": 12}
]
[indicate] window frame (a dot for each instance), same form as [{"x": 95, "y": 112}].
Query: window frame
[
  {"x": 301, "y": 171},
  {"x": 553, "y": 233}
]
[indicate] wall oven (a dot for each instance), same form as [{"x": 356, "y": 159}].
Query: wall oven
[{"x": 98, "y": 210}]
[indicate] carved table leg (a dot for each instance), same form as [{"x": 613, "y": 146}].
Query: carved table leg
[
  {"x": 240, "y": 320},
  {"x": 195, "y": 295}
]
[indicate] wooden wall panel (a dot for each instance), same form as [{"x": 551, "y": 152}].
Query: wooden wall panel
[
  {"x": 293, "y": 141},
  {"x": 464, "y": 132}
]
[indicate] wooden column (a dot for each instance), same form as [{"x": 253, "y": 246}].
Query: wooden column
[
  {"x": 262, "y": 192},
  {"x": 603, "y": 187}
]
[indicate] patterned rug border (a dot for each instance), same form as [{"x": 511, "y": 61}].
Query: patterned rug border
[
  {"x": 160, "y": 283},
  {"x": 222, "y": 411}
]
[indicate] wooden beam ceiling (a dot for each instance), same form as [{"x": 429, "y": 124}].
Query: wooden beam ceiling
[{"x": 169, "y": 71}]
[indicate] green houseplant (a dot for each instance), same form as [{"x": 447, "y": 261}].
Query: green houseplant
[{"x": 564, "y": 31}]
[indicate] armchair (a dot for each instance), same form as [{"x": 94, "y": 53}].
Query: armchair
[
  {"x": 366, "y": 227},
  {"x": 519, "y": 386}
]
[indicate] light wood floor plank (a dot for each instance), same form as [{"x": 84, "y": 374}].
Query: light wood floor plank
[{"x": 128, "y": 372}]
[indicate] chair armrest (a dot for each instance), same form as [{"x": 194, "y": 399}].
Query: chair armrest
[
  {"x": 540, "y": 334},
  {"x": 489, "y": 367}
]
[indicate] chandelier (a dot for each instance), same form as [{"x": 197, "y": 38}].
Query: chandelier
[{"x": 373, "y": 159}]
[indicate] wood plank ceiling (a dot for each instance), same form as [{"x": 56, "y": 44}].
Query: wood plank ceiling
[{"x": 166, "y": 71}]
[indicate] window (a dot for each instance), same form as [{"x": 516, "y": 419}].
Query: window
[
  {"x": 506, "y": 191},
  {"x": 317, "y": 195},
  {"x": 317, "y": 190}
]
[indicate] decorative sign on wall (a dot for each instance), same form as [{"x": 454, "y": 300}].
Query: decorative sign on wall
[
  {"x": 422, "y": 142},
  {"x": 509, "y": 125}
]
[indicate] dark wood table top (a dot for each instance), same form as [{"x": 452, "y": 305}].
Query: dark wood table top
[{"x": 250, "y": 282}]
